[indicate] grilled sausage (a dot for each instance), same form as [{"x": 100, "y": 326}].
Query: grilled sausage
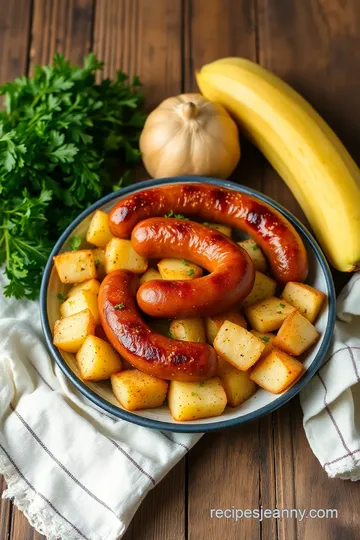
[
  {"x": 271, "y": 231},
  {"x": 231, "y": 270},
  {"x": 146, "y": 350}
]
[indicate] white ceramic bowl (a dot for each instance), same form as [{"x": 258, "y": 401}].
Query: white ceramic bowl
[{"x": 262, "y": 402}]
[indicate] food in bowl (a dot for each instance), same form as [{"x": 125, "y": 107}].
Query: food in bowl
[{"x": 230, "y": 332}]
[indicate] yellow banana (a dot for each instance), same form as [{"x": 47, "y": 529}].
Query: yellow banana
[{"x": 300, "y": 146}]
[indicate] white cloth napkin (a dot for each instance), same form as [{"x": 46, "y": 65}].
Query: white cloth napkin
[
  {"x": 331, "y": 400},
  {"x": 76, "y": 473}
]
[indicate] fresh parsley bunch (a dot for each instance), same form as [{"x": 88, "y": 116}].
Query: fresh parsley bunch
[{"x": 61, "y": 134}]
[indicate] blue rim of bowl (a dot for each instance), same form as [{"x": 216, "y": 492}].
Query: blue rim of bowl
[{"x": 184, "y": 427}]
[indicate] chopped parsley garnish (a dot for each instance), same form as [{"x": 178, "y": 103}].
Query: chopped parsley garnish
[
  {"x": 170, "y": 335},
  {"x": 279, "y": 312},
  {"x": 177, "y": 216},
  {"x": 97, "y": 263},
  {"x": 61, "y": 296},
  {"x": 184, "y": 262},
  {"x": 191, "y": 272},
  {"x": 119, "y": 306},
  {"x": 75, "y": 242},
  {"x": 282, "y": 305},
  {"x": 255, "y": 247},
  {"x": 265, "y": 339},
  {"x": 202, "y": 384}
]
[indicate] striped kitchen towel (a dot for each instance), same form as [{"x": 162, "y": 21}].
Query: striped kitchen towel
[
  {"x": 74, "y": 472},
  {"x": 331, "y": 400}
]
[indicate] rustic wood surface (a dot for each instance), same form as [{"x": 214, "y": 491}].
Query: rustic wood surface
[{"x": 314, "y": 45}]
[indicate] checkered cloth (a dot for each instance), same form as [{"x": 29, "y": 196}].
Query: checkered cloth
[{"x": 331, "y": 400}]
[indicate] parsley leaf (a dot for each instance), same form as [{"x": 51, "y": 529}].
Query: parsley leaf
[
  {"x": 191, "y": 272},
  {"x": 177, "y": 216},
  {"x": 61, "y": 136},
  {"x": 265, "y": 339},
  {"x": 185, "y": 263},
  {"x": 254, "y": 247},
  {"x": 75, "y": 242},
  {"x": 61, "y": 296},
  {"x": 119, "y": 306}
]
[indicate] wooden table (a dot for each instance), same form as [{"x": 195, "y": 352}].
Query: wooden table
[{"x": 314, "y": 45}]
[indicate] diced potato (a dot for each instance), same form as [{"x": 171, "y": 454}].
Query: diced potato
[
  {"x": 238, "y": 346},
  {"x": 97, "y": 360},
  {"x": 277, "y": 371},
  {"x": 221, "y": 228},
  {"x": 237, "y": 384},
  {"x": 304, "y": 298},
  {"x": 91, "y": 285},
  {"x": 255, "y": 254},
  {"x": 80, "y": 301},
  {"x": 267, "y": 338},
  {"x": 136, "y": 390},
  {"x": 188, "y": 330},
  {"x": 178, "y": 269},
  {"x": 296, "y": 334},
  {"x": 268, "y": 315},
  {"x": 150, "y": 274},
  {"x": 214, "y": 323},
  {"x": 99, "y": 259},
  {"x": 71, "y": 332},
  {"x": 263, "y": 287},
  {"x": 75, "y": 266},
  {"x": 98, "y": 232},
  {"x": 120, "y": 255},
  {"x": 194, "y": 400}
]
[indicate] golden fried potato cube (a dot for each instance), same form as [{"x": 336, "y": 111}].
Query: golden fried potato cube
[
  {"x": 277, "y": 371},
  {"x": 269, "y": 314},
  {"x": 120, "y": 255},
  {"x": 97, "y": 360},
  {"x": 80, "y": 301},
  {"x": 214, "y": 322},
  {"x": 304, "y": 298},
  {"x": 296, "y": 334},
  {"x": 149, "y": 275},
  {"x": 91, "y": 285},
  {"x": 255, "y": 254},
  {"x": 219, "y": 227},
  {"x": 71, "y": 332},
  {"x": 75, "y": 266},
  {"x": 264, "y": 287},
  {"x": 196, "y": 400},
  {"x": 170, "y": 268},
  {"x": 267, "y": 338},
  {"x": 237, "y": 384},
  {"x": 136, "y": 390},
  {"x": 98, "y": 232},
  {"x": 191, "y": 329},
  {"x": 238, "y": 346}
]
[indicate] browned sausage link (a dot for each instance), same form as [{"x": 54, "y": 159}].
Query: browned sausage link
[
  {"x": 146, "y": 350},
  {"x": 231, "y": 270},
  {"x": 270, "y": 230}
]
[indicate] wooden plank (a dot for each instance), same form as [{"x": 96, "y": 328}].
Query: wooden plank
[
  {"x": 5, "y": 512},
  {"x": 235, "y": 467},
  {"x": 14, "y": 42},
  {"x": 14, "y": 38},
  {"x": 314, "y": 46},
  {"x": 144, "y": 37},
  {"x": 63, "y": 26},
  {"x": 214, "y": 30}
]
